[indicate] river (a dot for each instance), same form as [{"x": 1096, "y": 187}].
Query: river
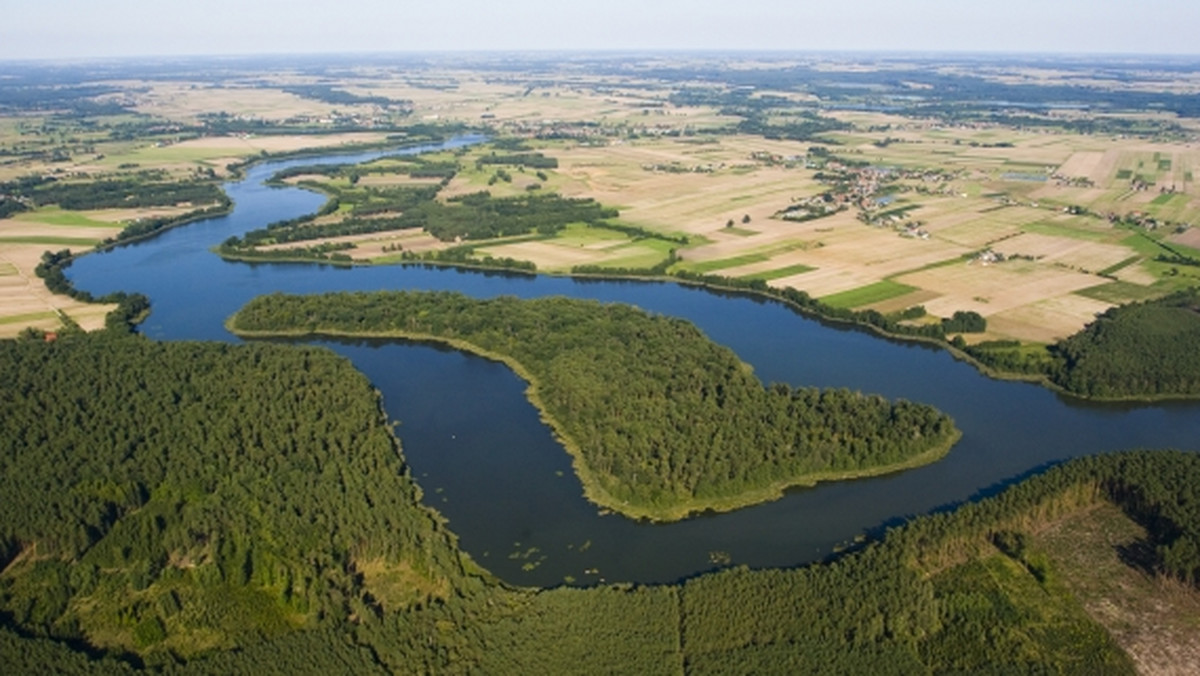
[{"x": 488, "y": 464}]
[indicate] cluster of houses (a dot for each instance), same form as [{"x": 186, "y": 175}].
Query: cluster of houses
[
  {"x": 678, "y": 168},
  {"x": 339, "y": 120},
  {"x": 1063, "y": 181}
]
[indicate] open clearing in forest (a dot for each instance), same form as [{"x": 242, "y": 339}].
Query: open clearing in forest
[{"x": 1097, "y": 553}]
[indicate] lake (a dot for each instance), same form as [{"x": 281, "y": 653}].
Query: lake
[{"x": 487, "y": 463}]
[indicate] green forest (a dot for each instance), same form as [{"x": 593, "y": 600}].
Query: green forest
[
  {"x": 211, "y": 509},
  {"x": 1142, "y": 350},
  {"x": 186, "y": 497},
  {"x": 662, "y": 422}
]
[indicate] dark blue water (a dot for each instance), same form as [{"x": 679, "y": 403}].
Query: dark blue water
[{"x": 487, "y": 463}]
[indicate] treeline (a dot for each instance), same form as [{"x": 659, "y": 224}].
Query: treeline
[
  {"x": 664, "y": 421},
  {"x": 117, "y": 194},
  {"x": 481, "y": 216},
  {"x": 1140, "y": 350},
  {"x": 10, "y": 206},
  {"x": 533, "y": 160},
  {"x": 477, "y": 216},
  {"x": 341, "y": 97},
  {"x": 131, "y": 307},
  {"x": 172, "y": 499},
  {"x": 806, "y": 127},
  {"x": 415, "y": 167}
]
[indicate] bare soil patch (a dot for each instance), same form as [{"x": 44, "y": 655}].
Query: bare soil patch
[
  {"x": 1156, "y": 621},
  {"x": 1189, "y": 237}
]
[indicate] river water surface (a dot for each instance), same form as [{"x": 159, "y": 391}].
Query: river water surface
[{"x": 492, "y": 468}]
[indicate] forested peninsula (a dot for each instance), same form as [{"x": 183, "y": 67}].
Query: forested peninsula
[
  {"x": 661, "y": 421},
  {"x": 185, "y": 508}
]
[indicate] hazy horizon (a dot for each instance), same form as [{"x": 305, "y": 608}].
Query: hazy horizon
[{"x": 78, "y": 30}]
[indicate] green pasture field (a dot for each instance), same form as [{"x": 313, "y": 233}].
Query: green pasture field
[
  {"x": 721, "y": 264},
  {"x": 51, "y": 241},
  {"x": 866, "y": 295},
  {"x": 1120, "y": 293},
  {"x": 53, "y": 215},
  {"x": 27, "y": 318}
]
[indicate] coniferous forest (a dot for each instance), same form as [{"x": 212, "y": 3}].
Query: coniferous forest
[
  {"x": 661, "y": 420},
  {"x": 1141, "y": 350},
  {"x": 198, "y": 508}
]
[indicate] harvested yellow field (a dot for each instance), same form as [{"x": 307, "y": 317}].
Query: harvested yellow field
[
  {"x": 185, "y": 101},
  {"x": 992, "y": 289},
  {"x": 372, "y": 245},
  {"x": 980, "y": 228},
  {"x": 549, "y": 256},
  {"x": 1047, "y": 320},
  {"x": 1073, "y": 253},
  {"x": 26, "y": 302},
  {"x": 826, "y": 281},
  {"x": 1091, "y": 164},
  {"x": 677, "y": 186}
]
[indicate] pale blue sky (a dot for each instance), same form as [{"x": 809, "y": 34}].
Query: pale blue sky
[{"x": 35, "y": 29}]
